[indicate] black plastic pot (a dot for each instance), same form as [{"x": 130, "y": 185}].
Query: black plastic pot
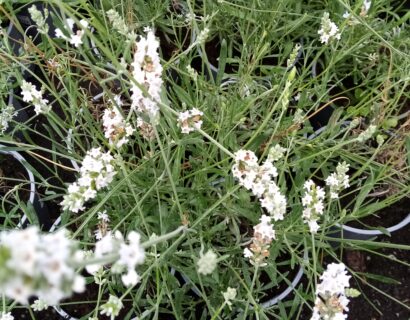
[
  {"x": 39, "y": 207},
  {"x": 25, "y": 20},
  {"x": 342, "y": 231},
  {"x": 64, "y": 315},
  {"x": 17, "y": 40},
  {"x": 271, "y": 301},
  {"x": 350, "y": 233},
  {"x": 30, "y": 26},
  {"x": 274, "y": 300},
  {"x": 321, "y": 118}
]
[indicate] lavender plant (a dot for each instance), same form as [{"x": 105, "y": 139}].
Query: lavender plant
[{"x": 145, "y": 131}]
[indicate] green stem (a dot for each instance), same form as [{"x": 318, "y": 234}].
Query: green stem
[
  {"x": 165, "y": 237},
  {"x": 216, "y": 143},
  {"x": 216, "y": 314},
  {"x": 168, "y": 169}
]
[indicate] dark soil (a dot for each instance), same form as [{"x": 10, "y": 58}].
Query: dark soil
[
  {"x": 386, "y": 217},
  {"x": 280, "y": 284},
  {"x": 13, "y": 173},
  {"x": 77, "y": 306},
  {"x": 23, "y": 314},
  {"x": 360, "y": 307}
]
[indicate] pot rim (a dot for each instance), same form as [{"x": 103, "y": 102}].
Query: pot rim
[
  {"x": 290, "y": 288},
  {"x": 274, "y": 300},
  {"x": 369, "y": 232},
  {"x": 366, "y": 232}
]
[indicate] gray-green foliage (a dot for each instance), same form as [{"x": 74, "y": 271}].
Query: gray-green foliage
[{"x": 178, "y": 178}]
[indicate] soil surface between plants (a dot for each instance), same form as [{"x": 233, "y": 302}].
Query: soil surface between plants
[
  {"x": 362, "y": 261},
  {"x": 393, "y": 278}
]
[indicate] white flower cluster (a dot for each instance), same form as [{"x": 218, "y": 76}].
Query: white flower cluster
[
  {"x": 112, "y": 307},
  {"x": 146, "y": 73},
  {"x": 39, "y": 305},
  {"x": 42, "y": 265},
  {"x": 97, "y": 172},
  {"x": 363, "y": 13},
  {"x": 103, "y": 228},
  {"x": 312, "y": 202},
  {"x": 203, "y": 35},
  {"x": 229, "y": 295},
  {"x": 131, "y": 253},
  {"x": 6, "y": 115},
  {"x": 146, "y": 130},
  {"x": 276, "y": 152},
  {"x": 74, "y": 38},
  {"x": 338, "y": 180},
  {"x": 328, "y": 29},
  {"x": 118, "y": 23},
  {"x": 207, "y": 262},
  {"x": 40, "y": 20},
  {"x": 116, "y": 129},
  {"x": 190, "y": 120},
  {"x": 331, "y": 298},
  {"x": 31, "y": 94},
  {"x": 259, "y": 179},
  {"x": 367, "y": 134},
  {"x": 263, "y": 236}
]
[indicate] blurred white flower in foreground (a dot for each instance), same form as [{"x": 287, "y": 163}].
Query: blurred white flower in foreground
[
  {"x": 6, "y": 316},
  {"x": 42, "y": 265}
]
